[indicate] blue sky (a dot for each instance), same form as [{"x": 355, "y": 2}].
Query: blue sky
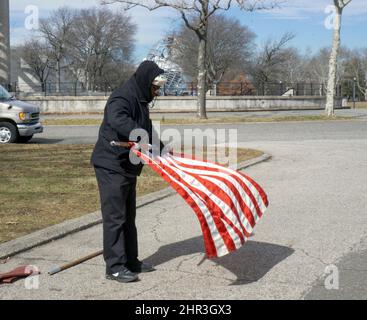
[{"x": 303, "y": 17}]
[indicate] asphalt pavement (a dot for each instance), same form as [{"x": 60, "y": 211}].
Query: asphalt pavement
[
  {"x": 274, "y": 131},
  {"x": 316, "y": 222}
]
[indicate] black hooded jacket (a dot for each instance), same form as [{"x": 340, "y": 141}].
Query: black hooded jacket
[{"x": 126, "y": 110}]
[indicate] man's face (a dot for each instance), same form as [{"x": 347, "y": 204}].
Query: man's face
[{"x": 155, "y": 90}]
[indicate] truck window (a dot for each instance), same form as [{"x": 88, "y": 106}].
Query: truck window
[{"x": 4, "y": 95}]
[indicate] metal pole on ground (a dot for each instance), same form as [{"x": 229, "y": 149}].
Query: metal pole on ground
[{"x": 74, "y": 263}]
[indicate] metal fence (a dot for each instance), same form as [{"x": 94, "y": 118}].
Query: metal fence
[
  {"x": 272, "y": 89},
  {"x": 188, "y": 89},
  {"x": 262, "y": 89},
  {"x": 62, "y": 89}
]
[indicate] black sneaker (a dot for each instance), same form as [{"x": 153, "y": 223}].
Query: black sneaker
[
  {"x": 124, "y": 276},
  {"x": 140, "y": 267}
]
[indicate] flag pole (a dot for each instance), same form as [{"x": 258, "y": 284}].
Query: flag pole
[{"x": 74, "y": 263}]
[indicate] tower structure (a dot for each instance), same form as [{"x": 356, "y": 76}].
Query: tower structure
[
  {"x": 4, "y": 43},
  {"x": 161, "y": 54}
]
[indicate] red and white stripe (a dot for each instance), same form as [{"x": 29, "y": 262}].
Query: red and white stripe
[{"x": 227, "y": 203}]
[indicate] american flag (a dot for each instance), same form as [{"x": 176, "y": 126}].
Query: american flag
[{"x": 227, "y": 203}]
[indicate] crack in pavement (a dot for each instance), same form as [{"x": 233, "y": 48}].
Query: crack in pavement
[
  {"x": 94, "y": 296},
  {"x": 185, "y": 260},
  {"x": 158, "y": 224},
  {"x": 311, "y": 256},
  {"x": 178, "y": 269},
  {"x": 355, "y": 248},
  {"x": 200, "y": 274},
  {"x": 152, "y": 288},
  {"x": 158, "y": 215}
]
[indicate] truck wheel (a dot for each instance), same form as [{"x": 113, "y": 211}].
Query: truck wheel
[
  {"x": 8, "y": 133},
  {"x": 24, "y": 139}
]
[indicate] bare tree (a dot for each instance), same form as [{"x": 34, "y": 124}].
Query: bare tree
[
  {"x": 229, "y": 47},
  {"x": 56, "y": 32},
  {"x": 37, "y": 56},
  {"x": 294, "y": 67},
  {"x": 317, "y": 69},
  {"x": 270, "y": 60},
  {"x": 101, "y": 39},
  {"x": 202, "y": 10},
  {"x": 330, "y": 97},
  {"x": 356, "y": 69}
]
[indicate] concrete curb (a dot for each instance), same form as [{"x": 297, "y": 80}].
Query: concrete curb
[{"x": 68, "y": 227}]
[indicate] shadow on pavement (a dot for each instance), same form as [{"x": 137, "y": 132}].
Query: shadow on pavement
[
  {"x": 45, "y": 141},
  {"x": 250, "y": 263},
  {"x": 348, "y": 281}
]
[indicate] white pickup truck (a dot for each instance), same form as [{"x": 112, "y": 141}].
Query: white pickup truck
[{"x": 19, "y": 121}]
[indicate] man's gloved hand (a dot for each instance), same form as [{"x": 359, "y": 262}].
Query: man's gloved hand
[{"x": 144, "y": 147}]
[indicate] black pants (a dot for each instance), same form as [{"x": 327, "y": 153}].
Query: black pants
[{"x": 118, "y": 204}]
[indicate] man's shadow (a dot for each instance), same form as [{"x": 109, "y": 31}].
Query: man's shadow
[
  {"x": 250, "y": 263},
  {"x": 45, "y": 141}
]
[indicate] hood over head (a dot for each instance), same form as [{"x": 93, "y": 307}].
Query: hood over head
[{"x": 144, "y": 76}]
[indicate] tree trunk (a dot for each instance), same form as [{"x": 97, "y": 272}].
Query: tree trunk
[
  {"x": 202, "y": 79},
  {"x": 202, "y": 33},
  {"x": 87, "y": 84},
  {"x": 330, "y": 96}
]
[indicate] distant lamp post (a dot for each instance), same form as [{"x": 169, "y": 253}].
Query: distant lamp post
[
  {"x": 280, "y": 88},
  {"x": 354, "y": 92}
]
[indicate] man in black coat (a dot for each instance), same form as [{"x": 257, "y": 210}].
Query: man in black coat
[{"x": 127, "y": 110}]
